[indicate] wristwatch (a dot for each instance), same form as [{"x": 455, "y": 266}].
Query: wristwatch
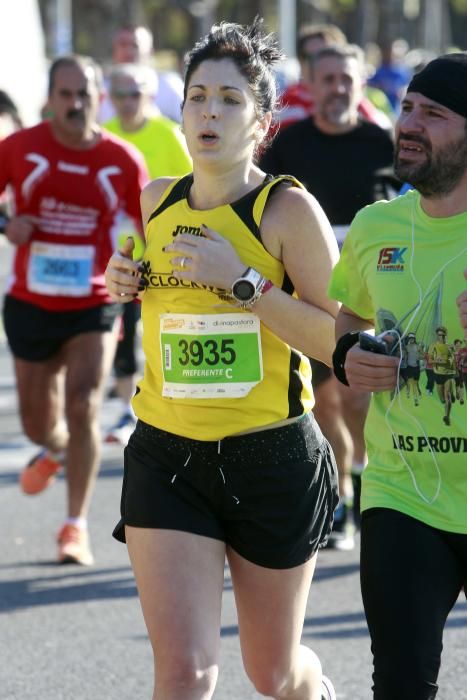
[{"x": 247, "y": 288}]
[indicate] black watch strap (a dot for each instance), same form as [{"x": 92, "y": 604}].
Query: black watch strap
[{"x": 345, "y": 342}]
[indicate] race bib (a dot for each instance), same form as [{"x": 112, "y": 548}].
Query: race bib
[
  {"x": 60, "y": 270},
  {"x": 210, "y": 356}
]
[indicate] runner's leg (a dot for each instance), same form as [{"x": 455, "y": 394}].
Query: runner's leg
[
  {"x": 271, "y": 606},
  {"x": 180, "y": 580},
  {"x": 88, "y": 359},
  {"x": 40, "y": 396}
]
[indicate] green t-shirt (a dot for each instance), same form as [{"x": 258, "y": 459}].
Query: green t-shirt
[
  {"x": 394, "y": 257},
  {"x": 161, "y": 143}
]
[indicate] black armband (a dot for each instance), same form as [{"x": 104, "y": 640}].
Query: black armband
[{"x": 345, "y": 342}]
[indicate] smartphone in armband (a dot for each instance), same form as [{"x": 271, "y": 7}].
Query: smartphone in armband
[{"x": 371, "y": 344}]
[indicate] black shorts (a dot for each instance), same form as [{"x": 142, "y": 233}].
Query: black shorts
[
  {"x": 410, "y": 372},
  {"x": 36, "y": 334},
  {"x": 441, "y": 379},
  {"x": 269, "y": 495},
  {"x": 319, "y": 372}
]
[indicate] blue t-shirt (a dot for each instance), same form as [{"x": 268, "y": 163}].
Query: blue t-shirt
[{"x": 391, "y": 80}]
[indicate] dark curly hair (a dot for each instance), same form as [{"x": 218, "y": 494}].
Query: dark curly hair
[{"x": 253, "y": 52}]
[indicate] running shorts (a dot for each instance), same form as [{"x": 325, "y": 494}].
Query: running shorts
[
  {"x": 441, "y": 379},
  {"x": 270, "y": 495},
  {"x": 36, "y": 334}
]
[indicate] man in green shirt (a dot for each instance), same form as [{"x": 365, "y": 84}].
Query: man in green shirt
[
  {"x": 160, "y": 140},
  {"x": 403, "y": 270}
]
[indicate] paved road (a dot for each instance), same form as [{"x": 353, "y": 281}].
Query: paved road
[{"x": 69, "y": 633}]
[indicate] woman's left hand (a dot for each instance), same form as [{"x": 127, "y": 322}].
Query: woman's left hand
[{"x": 208, "y": 259}]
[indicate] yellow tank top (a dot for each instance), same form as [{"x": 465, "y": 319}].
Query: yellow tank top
[{"x": 212, "y": 369}]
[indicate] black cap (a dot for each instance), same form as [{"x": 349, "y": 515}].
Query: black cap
[{"x": 444, "y": 80}]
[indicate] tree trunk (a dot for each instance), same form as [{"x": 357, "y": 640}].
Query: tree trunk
[{"x": 391, "y": 21}]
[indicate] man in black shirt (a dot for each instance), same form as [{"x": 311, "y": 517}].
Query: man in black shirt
[
  {"x": 344, "y": 162},
  {"x": 340, "y": 158}
]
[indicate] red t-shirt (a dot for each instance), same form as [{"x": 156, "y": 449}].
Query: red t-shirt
[{"x": 76, "y": 195}]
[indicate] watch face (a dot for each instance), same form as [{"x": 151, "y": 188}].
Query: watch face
[{"x": 244, "y": 290}]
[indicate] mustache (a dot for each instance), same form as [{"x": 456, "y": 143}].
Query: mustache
[
  {"x": 415, "y": 139},
  {"x": 73, "y": 113},
  {"x": 342, "y": 98}
]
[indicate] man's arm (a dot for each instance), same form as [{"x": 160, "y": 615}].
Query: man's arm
[{"x": 348, "y": 322}]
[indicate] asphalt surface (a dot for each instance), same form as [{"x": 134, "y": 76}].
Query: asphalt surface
[{"x": 73, "y": 633}]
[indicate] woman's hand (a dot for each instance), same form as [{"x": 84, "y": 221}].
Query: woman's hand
[
  {"x": 122, "y": 275},
  {"x": 369, "y": 371},
  {"x": 208, "y": 259}
]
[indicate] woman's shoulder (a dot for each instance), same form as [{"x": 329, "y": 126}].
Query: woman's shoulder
[
  {"x": 153, "y": 192},
  {"x": 292, "y": 213},
  {"x": 157, "y": 187},
  {"x": 290, "y": 199}
]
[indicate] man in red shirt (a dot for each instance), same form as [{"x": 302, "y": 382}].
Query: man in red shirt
[{"x": 70, "y": 180}]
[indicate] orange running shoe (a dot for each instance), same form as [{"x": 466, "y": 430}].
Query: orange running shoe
[
  {"x": 39, "y": 473},
  {"x": 73, "y": 546}
]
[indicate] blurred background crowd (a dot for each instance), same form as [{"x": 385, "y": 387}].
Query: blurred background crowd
[{"x": 397, "y": 36}]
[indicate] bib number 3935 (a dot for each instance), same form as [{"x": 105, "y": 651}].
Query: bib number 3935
[{"x": 210, "y": 356}]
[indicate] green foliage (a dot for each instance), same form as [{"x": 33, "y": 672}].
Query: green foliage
[
  {"x": 459, "y": 6},
  {"x": 345, "y": 5}
]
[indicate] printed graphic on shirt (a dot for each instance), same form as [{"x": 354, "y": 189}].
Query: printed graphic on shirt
[
  {"x": 166, "y": 280},
  {"x": 391, "y": 259},
  {"x": 433, "y": 361},
  {"x": 192, "y": 230},
  {"x": 66, "y": 218}
]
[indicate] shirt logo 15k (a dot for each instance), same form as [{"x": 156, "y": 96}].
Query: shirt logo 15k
[{"x": 391, "y": 260}]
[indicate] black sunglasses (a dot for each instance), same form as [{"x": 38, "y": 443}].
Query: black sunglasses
[{"x": 120, "y": 94}]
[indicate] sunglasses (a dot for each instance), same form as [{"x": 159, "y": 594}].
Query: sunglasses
[{"x": 120, "y": 95}]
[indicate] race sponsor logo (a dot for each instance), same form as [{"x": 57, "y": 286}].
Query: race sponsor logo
[
  {"x": 166, "y": 280},
  {"x": 391, "y": 259},
  {"x": 193, "y": 230}
]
